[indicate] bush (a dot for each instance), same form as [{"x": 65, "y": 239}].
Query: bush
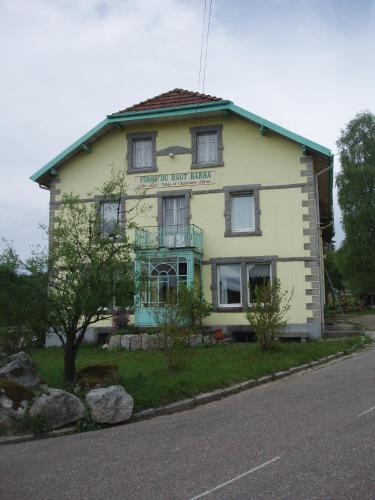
[
  {"x": 13, "y": 340},
  {"x": 351, "y": 304},
  {"x": 268, "y": 316},
  {"x": 173, "y": 333},
  {"x": 193, "y": 308},
  {"x": 26, "y": 423}
]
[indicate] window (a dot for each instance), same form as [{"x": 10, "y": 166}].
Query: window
[
  {"x": 257, "y": 275},
  {"x": 242, "y": 212},
  {"x": 234, "y": 280},
  {"x": 229, "y": 283},
  {"x": 207, "y": 146},
  {"x": 207, "y": 151},
  {"x": 174, "y": 222},
  {"x": 162, "y": 277},
  {"x": 110, "y": 219},
  {"x": 141, "y": 152}
]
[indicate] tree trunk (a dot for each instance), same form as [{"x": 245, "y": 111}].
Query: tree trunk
[{"x": 70, "y": 354}]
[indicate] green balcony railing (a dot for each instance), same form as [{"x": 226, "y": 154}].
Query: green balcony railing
[{"x": 183, "y": 236}]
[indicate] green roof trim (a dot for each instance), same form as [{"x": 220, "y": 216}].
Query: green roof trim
[
  {"x": 176, "y": 111},
  {"x": 280, "y": 130},
  {"x": 76, "y": 145}
]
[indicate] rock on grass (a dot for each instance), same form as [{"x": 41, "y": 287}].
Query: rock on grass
[
  {"x": 57, "y": 408},
  {"x": 110, "y": 405}
]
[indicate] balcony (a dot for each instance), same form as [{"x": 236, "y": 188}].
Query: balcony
[{"x": 184, "y": 236}]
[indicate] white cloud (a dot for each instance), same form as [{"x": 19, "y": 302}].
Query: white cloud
[{"x": 66, "y": 64}]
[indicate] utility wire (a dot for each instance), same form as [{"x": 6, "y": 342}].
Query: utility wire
[
  {"x": 202, "y": 42},
  {"x": 205, "y": 55}
]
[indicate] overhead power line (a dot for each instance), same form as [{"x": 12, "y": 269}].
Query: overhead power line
[
  {"x": 205, "y": 55},
  {"x": 204, "y": 46}
]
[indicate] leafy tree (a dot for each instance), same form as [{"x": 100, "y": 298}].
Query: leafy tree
[
  {"x": 22, "y": 300},
  {"x": 356, "y": 194},
  {"x": 90, "y": 271},
  {"x": 268, "y": 316}
]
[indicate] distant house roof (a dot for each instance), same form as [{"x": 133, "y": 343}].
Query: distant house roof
[{"x": 175, "y": 104}]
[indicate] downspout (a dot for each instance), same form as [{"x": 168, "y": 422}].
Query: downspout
[{"x": 320, "y": 245}]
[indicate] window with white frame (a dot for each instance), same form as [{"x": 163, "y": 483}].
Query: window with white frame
[
  {"x": 229, "y": 285},
  {"x": 258, "y": 275},
  {"x": 142, "y": 153},
  {"x": 242, "y": 212},
  {"x": 109, "y": 215},
  {"x": 207, "y": 147}
]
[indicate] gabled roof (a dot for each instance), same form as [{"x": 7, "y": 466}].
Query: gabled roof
[
  {"x": 171, "y": 105},
  {"x": 172, "y": 98}
]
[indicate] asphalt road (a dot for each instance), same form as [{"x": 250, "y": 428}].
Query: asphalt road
[{"x": 311, "y": 436}]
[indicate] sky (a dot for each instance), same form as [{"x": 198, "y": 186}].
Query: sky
[{"x": 307, "y": 65}]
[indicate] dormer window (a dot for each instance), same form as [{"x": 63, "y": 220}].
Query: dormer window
[
  {"x": 141, "y": 152},
  {"x": 207, "y": 146}
]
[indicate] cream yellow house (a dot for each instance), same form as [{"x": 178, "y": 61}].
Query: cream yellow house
[{"x": 234, "y": 201}]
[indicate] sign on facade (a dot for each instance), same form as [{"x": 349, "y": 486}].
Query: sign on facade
[{"x": 193, "y": 178}]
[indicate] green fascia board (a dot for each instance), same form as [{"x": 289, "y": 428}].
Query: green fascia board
[
  {"x": 280, "y": 130},
  {"x": 69, "y": 150},
  {"x": 174, "y": 112}
]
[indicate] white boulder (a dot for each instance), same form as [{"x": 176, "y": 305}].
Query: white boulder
[
  {"x": 114, "y": 342},
  {"x": 110, "y": 405}
]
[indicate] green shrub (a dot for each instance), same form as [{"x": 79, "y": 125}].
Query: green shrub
[
  {"x": 268, "y": 316},
  {"x": 193, "y": 307}
]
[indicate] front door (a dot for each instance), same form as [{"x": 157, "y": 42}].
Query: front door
[{"x": 174, "y": 221}]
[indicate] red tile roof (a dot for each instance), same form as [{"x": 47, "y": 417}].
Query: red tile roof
[{"x": 176, "y": 97}]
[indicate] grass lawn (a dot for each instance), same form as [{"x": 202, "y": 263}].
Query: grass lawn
[{"x": 144, "y": 376}]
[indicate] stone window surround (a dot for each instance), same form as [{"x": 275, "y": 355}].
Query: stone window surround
[
  {"x": 194, "y": 131},
  {"x": 141, "y": 135},
  {"x": 243, "y": 262},
  {"x": 173, "y": 194},
  {"x": 100, "y": 199},
  {"x": 229, "y": 191}
]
